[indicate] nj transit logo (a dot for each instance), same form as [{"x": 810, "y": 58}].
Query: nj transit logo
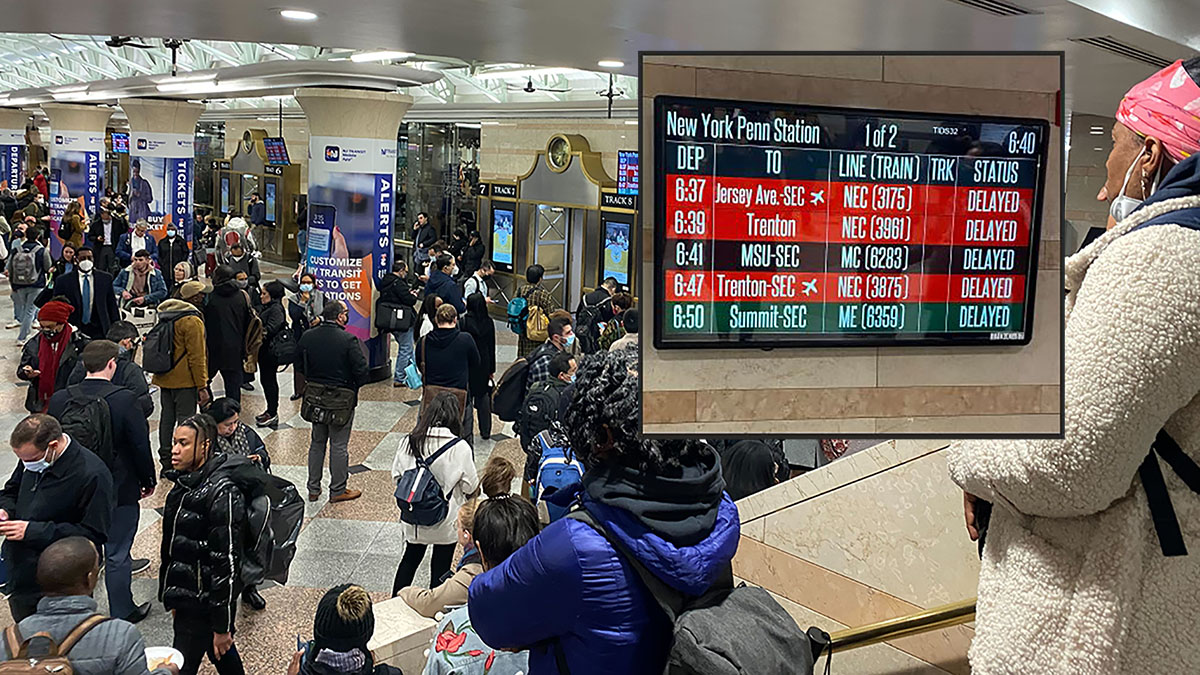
[{"x": 332, "y": 153}]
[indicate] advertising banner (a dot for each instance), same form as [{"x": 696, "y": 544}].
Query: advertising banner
[
  {"x": 351, "y": 186},
  {"x": 160, "y": 181},
  {"x": 12, "y": 158},
  {"x": 77, "y": 160}
]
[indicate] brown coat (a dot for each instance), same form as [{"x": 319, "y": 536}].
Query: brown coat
[
  {"x": 428, "y": 602},
  {"x": 191, "y": 371}
]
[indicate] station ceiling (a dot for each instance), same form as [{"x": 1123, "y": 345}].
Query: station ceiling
[{"x": 1109, "y": 43}]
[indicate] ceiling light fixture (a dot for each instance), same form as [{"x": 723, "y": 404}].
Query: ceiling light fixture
[
  {"x": 71, "y": 89},
  {"x": 610, "y": 63},
  {"x": 631, "y": 121},
  {"x": 298, "y": 15},
  {"x": 379, "y": 55}
]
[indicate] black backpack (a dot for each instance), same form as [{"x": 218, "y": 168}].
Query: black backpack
[
  {"x": 158, "y": 349},
  {"x": 726, "y": 631},
  {"x": 88, "y": 420},
  {"x": 509, "y": 396},
  {"x": 285, "y": 346},
  {"x": 539, "y": 411},
  {"x": 418, "y": 493},
  {"x": 587, "y": 322}
]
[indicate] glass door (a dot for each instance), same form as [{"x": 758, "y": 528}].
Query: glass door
[{"x": 550, "y": 227}]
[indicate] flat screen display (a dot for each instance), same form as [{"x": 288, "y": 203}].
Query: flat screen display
[
  {"x": 790, "y": 225},
  {"x": 224, "y": 194},
  {"x": 616, "y": 251},
  {"x": 120, "y": 142},
  {"x": 627, "y": 172},
  {"x": 502, "y": 238},
  {"x": 270, "y": 201},
  {"x": 276, "y": 151}
]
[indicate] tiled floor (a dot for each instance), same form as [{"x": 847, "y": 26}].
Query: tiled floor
[{"x": 355, "y": 541}]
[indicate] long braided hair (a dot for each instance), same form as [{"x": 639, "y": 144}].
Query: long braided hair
[{"x": 602, "y": 421}]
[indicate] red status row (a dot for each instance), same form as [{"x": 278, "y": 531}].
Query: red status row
[{"x": 720, "y": 286}]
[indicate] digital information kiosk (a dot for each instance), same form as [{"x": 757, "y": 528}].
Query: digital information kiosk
[{"x": 789, "y": 226}]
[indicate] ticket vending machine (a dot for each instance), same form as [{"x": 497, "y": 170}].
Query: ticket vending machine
[{"x": 258, "y": 166}]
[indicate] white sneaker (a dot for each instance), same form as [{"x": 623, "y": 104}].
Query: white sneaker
[{"x": 13, "y": 324}]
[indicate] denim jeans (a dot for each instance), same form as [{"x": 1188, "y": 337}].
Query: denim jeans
[
  {"x": 405, "y": 354},
  {"x": 24, "y": 309}
]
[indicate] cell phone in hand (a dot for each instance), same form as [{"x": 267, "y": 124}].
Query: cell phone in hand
[{"x": 299, "y": 643}]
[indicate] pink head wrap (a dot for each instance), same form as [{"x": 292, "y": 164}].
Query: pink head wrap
[{"x": 1165, "y": 106}]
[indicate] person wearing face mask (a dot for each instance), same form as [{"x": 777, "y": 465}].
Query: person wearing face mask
[
  {"x": 441, "y": 282},
  {"x": 542, "y": 406},
  {"x": 227, "y": 317},
  {"x": 172, "y": 250},
  {"x": 304, "y": 309},
  {"x": 477, "y": 282},
  {"x": 241, "y": 261},
  {"x": 58, "y": 489},
  {"x": 129, "y": 374},
  {"x": 140, "y": 284},
  {"x": 137, "y": 240},
  {"x": 199, "y": 580},
  {"x": 562, "y": 337},
  {"x": 1085, "y": 564},
  {"x": 90, "y": 292},
  {"x": 48, "y": 359},
  {"x": 37, "y": 208}
]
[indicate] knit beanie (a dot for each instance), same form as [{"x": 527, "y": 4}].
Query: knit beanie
[{"x": 344, "y": 619}]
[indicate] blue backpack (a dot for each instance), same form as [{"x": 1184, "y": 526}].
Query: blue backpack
[
  {"x": 557, "y": 469},
  {"x": 518, "y": 310}
]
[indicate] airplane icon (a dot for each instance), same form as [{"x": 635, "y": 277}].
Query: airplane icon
[
  {"x": 809, "y": 287},
  {"x": 818, "y": 197}
]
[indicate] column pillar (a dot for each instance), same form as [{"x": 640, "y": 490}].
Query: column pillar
[
  {"x": 351, "y": 190},
  {"x": 76, "y": 160},
  {"x": 162, "y": 151},
  {"x": 14, "y": 157}
]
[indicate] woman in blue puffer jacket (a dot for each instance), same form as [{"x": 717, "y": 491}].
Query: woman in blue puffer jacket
[{"x": 568, "y": 589}]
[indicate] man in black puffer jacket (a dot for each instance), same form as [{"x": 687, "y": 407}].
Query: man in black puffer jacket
[{"x": 202, "y": 547}]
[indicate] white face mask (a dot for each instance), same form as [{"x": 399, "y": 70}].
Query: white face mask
[
  {"x": 85, "y": 266},
  {"x": 1124, "y": 205}
]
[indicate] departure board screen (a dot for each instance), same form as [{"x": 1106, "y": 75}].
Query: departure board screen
[{"x": 790, "y": 225}]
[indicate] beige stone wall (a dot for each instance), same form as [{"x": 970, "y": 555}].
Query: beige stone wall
[
  {"x": 873, "y": 536},
  {"x": 1086, "y": 172},
  {"x": 508, "y": 149},
  {"x": 865, "y": 390},
  {"x": 295, "y": 137}
]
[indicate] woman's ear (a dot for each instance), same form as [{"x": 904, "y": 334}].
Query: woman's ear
[{"x": 1152, "y": 161}]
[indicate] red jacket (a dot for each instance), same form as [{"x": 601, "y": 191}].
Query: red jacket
[{"x": 39, "y": 181}]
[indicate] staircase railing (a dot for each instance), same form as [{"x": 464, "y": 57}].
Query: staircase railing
[{"x": 935, "y": 618}]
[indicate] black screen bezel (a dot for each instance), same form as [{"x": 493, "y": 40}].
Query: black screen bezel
[{"x": 763, "y": 341}]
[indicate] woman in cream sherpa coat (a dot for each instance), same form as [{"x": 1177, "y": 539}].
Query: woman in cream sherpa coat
[{"x": 1073, "y": 579}]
